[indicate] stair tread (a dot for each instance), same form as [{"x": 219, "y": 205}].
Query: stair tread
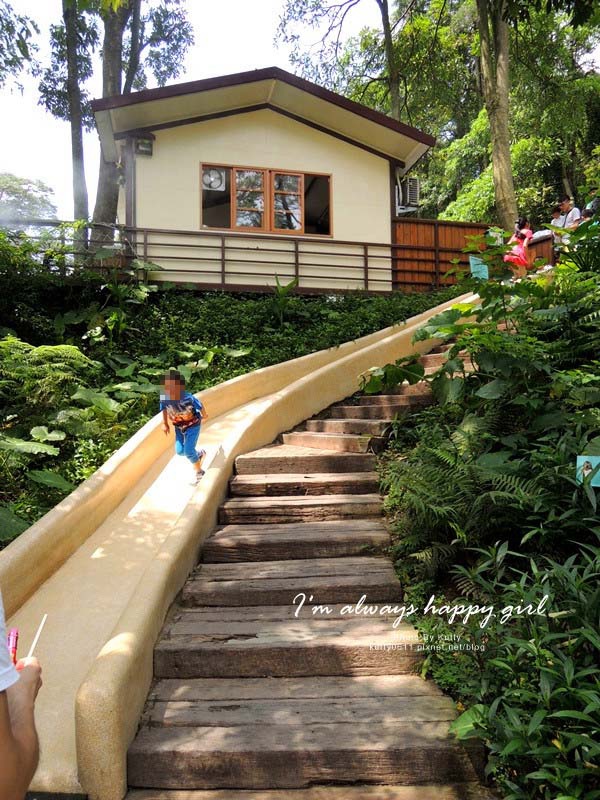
[
  {"x": 296, "y": 583},
  {"x": 455, "y": 791},
  {"x": 300, "y": 501},
  {"x": 190, "y": 632},
  {"x": 297, "y": 477},
  {"x": 294, "y": 458},
  {"x": 361, "y": 408},
  {"x": 274, "y": 545},
  {"x": 306, "y": 568},
  {"x": 288, "y": 451},
  {"x": 326, "y": 435},
  {"x": 321, "y": 737},
  {"x": 229, "y": 689},
  {"x": 299, "y": 711},
  {"x": 281, "y": 613},
  {"x": 333, "y": 527}
]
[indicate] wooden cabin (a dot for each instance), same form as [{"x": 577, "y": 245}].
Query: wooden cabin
[{"x": 236, "y": 181}]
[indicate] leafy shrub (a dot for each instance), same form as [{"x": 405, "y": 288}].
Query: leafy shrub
[{"x": 483, "y": 495}]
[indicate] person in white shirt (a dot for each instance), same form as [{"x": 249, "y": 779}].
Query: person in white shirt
[
  {"x": 19, "y": 747},
  {"x": 571, "y": 217}
]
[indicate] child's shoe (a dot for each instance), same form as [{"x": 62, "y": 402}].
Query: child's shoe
[{"x": 199, "y": 476}]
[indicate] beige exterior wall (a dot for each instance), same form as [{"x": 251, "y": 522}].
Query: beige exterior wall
[{"x": 169, "y": 196}]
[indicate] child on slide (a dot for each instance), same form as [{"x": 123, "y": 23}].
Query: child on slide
[{"x": 186, "y": 413}]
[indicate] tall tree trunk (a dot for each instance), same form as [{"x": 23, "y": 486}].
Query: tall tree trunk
[
  {"x": 107, "y": 195},
  {"x": 136, "y": 45},
  {"x": 393, "y": 69},
  {"x": 494, "y": 44},
  {"x": 80, "y": 195}
]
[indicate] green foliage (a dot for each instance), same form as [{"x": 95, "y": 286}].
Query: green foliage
[
  {"x": 482, "y": 492},
  {"x": 163, "y": 38},
  {"x": 554, "y": 112},
  {"x": 16, "y": 46},
  {"x": 536, "y": 697},
  {"x": 283, "y": 294},
  {"x": 20, "y": 197},
  {"x": 381, "y": 379},
  {"x": 534, "y": 162}
]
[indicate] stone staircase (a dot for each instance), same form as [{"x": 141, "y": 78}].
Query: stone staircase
[{"x": 256, "y": 697}]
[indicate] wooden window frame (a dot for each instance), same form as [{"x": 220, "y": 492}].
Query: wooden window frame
[
  {"x": 269, "y": 198},
  {"x": 299, "y": 194},
  {"x": 234, "y": 205}
]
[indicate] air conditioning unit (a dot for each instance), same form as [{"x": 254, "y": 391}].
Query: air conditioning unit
[
  {"x": 408, "y": 192},
  {"x": 411, "y": 190}
]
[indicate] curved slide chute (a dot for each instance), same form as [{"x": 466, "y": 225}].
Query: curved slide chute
[{"x": 107, "y": 562}]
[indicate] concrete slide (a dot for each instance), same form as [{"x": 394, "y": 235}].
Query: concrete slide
[{"x": 107, "y": 562}]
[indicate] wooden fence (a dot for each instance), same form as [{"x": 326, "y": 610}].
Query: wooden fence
[
  {"x": 418, "y": 259},
  {"x": 425, "y": 249}
]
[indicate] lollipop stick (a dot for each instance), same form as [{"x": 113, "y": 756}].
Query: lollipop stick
[{"x": 37, "y": 636}]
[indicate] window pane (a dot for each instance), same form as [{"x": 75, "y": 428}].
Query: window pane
[
  {"x": 249, "y": 219},
  {"x": 251, "y": 200},
  {"x": 288, "y": 202},
  {"x": 286, "y": 183},
  {"x": 316, "y": 205},
  {"x": 249, "y": 179},
  {"x": 216, "y": 197},
  {"x": 287, "y": 222}
]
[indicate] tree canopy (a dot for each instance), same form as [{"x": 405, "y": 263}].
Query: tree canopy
[
  {"x": 25, "y": 198},
  {"x": 553, "y": 93},
  {"x": 16, "y": 41}
]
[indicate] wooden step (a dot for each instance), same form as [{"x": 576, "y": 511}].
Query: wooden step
[
  {"x": 291, "y": 756},
  {"x": 291, "y": 508},
  {"x": 433, "y": 359},
  {"x": 288, "y": 458},
  {"x": 455, "y": 791},
  {"x": 298, "y": 484},
  {"x": 270, "y": 641},
  {"x": 228, "y": 712},
  {"x": 375, "y": 427},
  {"x": 329, "y": 539},
  {"x": 407, "y": 389},
  {"x": 371, "y": 411},
  {"x": 328, "y": 580},
  {"x": 351, "y": 687},
  {"x": 344, "y": 442},
  {"x": 408, "y": 401}
]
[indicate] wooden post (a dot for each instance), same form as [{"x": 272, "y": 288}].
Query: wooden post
[
  {"x": 145, "y": 245},
  {"x": 366, "y": 265},
  {"x": 297, "y": 260},
  {"x": 223, "y": 259},
  {"x": 63, "y": 260},
  {"x": 436, "y": 245}
]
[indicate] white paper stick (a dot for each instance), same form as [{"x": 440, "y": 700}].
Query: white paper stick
[{"x": 37, "y": 636}]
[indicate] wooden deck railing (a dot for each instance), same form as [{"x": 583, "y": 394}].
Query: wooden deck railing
[{"x": 422, "y": 253}]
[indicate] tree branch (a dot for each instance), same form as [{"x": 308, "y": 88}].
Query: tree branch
[{"x": 135, "y": 46}]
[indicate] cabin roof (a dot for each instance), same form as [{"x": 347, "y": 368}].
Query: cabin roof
[{"x": 273, "y": 88}]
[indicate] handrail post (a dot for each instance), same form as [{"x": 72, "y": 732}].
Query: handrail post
[
  {"x": 223, "y": 259},
  {"x": 436, "y": 245},
  {"x": 366, "y": 265},
  {"x": 145, "y": 245},
  {"x": 297, "y": 260}
]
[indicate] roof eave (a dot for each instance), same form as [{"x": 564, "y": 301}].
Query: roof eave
[{"x": 268, "y": 73}]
